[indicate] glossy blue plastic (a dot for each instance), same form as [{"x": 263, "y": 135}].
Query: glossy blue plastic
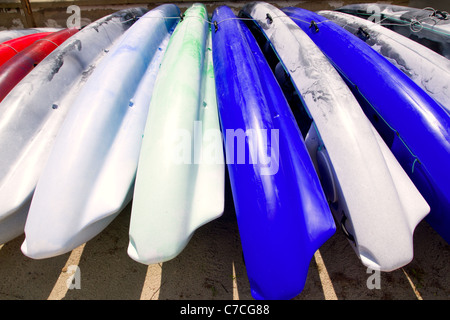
[
  {"x": 413, "y": 125},
  {"x": 281, "y": 210}
]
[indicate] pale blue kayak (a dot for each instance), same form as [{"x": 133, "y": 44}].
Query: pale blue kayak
[{"x": 181, "y": 173}]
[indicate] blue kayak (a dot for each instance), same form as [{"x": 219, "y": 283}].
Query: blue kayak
[
  {"x": 414, "y": 126},
  {"x": 282, "y": 213}
]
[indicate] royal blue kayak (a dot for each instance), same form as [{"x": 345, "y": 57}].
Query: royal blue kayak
[
  {"x": 282, "y": 213},
  {"x": 414, "y": 126}
]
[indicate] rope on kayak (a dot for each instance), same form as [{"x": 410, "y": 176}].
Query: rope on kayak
[
  {"x": 397, "y": 133},
  {"x": 435, "y": 17},
  {"x": 47, "y": 41},
  {"x": 441, "y": 15},
  {"x": 315, "y": 24},
  {"x": 269, "y": 19},
  {"x": 312, "y": 23},
  {"x": 181, "y": 17},
  {"x": 228, "y": 19},
  {"x": 7, "y": 45},
  {"x": 416, "y": 25}
]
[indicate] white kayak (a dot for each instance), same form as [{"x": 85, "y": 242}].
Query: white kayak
[
  {"x": 428, "y": 26},
  {"x": 32, "y": 113},
  {"x": 428, "y": 69},
  {"x": 370, "y": 195},
  {"x": 89, "y": 176},
  {"x": 177, "y": 190}
]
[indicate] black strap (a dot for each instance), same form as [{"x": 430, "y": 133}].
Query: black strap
[
  {"x": 314, "y": 24},
  {"x": 344, "y": 228},
  {"x": 363, "y": 34},
  {"x": 443, "y": 15}
]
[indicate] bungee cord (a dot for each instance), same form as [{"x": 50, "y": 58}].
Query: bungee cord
[{"x": 415, "y": 25}]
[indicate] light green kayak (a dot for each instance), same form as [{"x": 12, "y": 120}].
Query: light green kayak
[{"x": 181, "y": 172}]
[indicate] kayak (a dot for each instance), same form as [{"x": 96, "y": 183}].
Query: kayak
[
  {"x": 16, "y": 68},
  {"x": 6, "y": 35},
  {"x": 180, "y": 178},
  {"x": 426, "y": 68},
  {"x": 97, "y": 148},
  {"x": 371, "y": 196},
  {"x": 427, "y": 26},
  {"x": 33, "y": 112},
  {"x": 414, "y": 126},
  {"x": 282, "y": 212},
  {"x": 10, "y": 48}
]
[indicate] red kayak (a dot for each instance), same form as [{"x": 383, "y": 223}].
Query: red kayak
[
  {"x": 16, "y": 68},
  {"x": 10, "y": 48}
]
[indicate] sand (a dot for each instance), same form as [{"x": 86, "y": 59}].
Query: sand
[{"x": 211, "y": 268}]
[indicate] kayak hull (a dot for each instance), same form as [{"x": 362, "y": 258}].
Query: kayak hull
[
  {"x": 281, "y": 210},
  {"x": 417, "y": 129},
  {"x": 428, "y": 69},
  {"x": 176, "y": 191},
  {"x": 30, "y": 122},
  {"x": 97, "y": 148},
  {"x": 371, "y": 196},
  {"x": 16, "y": 68},
  {"x": 10, "y": 48}
]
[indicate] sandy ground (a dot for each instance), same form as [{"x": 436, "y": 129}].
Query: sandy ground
[{"x": 211, "y": 267}]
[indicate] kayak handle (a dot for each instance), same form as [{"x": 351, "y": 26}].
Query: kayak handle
[
  {"x": 363, "y": 34},
  {"x": 314, "y": 24},
  {"x": 442, "y": 15}
]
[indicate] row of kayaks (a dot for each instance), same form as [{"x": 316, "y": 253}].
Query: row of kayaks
[{"x": 323, "y": 120}]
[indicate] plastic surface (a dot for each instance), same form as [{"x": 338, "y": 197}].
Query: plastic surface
[
  {"x": 428, "y": 69},
  {"x": 33, "y": 112},
  {"x": 16, "y": 68},
  {"x": 427, "y": 26},
  {"x": 414, "y": 126},
  {"x": 10, "y": 48},
  {"x": 89, "y": 176},
  {"x": 180, "y": 178},
  {"x": 6, "y": 35},
  {"x": 282, "y": 212},
  {"x": 370, "y": 194}
]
